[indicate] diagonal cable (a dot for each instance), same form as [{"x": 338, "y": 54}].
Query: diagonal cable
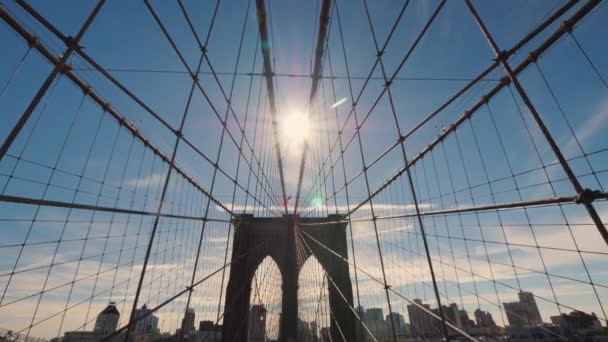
[
  {"x": 265, "y": 45},
  {"x": 316, "y": 77}
]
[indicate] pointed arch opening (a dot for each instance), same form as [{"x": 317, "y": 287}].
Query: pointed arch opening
[
  {"x": 265, "y": 302},
  {"x": 314, "y": 314}
]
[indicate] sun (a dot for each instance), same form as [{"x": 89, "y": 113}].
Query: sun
[{"x": 294, "y": 130}]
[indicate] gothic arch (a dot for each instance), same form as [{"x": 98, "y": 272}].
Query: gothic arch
[
  {"x": 313, "y": 300},
  {"x": 263, "y": 319}
]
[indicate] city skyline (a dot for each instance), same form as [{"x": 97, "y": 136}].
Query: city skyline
[{"x": 373, "y": 318}]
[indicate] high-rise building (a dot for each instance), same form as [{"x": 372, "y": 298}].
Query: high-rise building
[
  {"x": 398, "y": 322},
  {"x": 451, "y": 314},
  {"x": 359, "y": 330},
  {"x": 209, "y": 331},
  {"x": 436, "y": 324},
  {"x": 484, "y": 319},
  {"x": 523, "y": 312},
  {"x": 374, "y": 314},
  {"x": 325, "y": 334},
  {"x": 257, "y": 324},
  {"x": 105, "y": 324},
  {"x": 107, "y": 320},
  {"x": 374, "y": 320},
  {"x": 421, "y": 322},
  {"x": 305, "y": 332},
  {"x": 360, "y": 312},
  {"x": 188, "y": 321},
  {"x": 577, "y": 320},
  {"x": 147, "y": 325},
  {"x": 206, "y": 326},
  {"x": 408, "y": 329},
  {"x": 464, "y": 321},
  {"x": 313, "y": 330},
  {"x": 457, "y": 317}
]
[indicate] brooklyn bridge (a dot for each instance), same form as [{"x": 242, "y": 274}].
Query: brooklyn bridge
[{"x": 323, "y": 170}]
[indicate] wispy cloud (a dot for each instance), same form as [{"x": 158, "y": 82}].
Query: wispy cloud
[
  {"x": 594, "y": 124},
  {"x": 151, "y": 180},
  {"x": 379, "y": 208}
]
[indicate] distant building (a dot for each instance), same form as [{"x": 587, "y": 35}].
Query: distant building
[
  {"x": 257, "y": 324},
  {"x": 148, "y": 325},
  {"x": 436, "y": 324},
  {"x": 359, "y": 330},
  {"x": 107, "y": 320},
  {"x": 313, "y": 330},
  {"x": 484, "y": 319},
  {"x": 188, "y": 322},
  {"x": 360, "y": 312},
  {"x": 464, "y": 322},
  {"x": 577, "y": 322},
  {"x": 485, "y": 324},
  {"x": 422, "y": 323},
  {"x": 523, "y": 312},
  {"x": 206, "y": 326},
  {"x": 453, "y": 315},
  {"x": 325, "y": 335},
  {"x": 398, "y": 323},
  {"x": 533, "y": 333},
  {"x": 457, "y": 317},
  {"x": 307, "y": 331},
  {"x": 408, "y": 330},
  {"x": 209, "y": 331},
  {"x": 106, "y": 323},
  {"x": 374, "y": 319},
  {"x": 374, "y": 314},
  {"x": 81, "y": 336}
]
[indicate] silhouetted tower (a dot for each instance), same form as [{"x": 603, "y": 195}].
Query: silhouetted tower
[
  {"x": 259, "y": 237},
  {"x": 257, "y": 324},
  {"x": 422, "y": 323},
  {"x": 188, "y": 321},
  {"x": 523, "y": 312},
  {"x": 107, "y": 320},
  {"x": 146, "y": 323}
]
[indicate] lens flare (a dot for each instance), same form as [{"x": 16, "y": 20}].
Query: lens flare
[{"x": 316, "y": 202}]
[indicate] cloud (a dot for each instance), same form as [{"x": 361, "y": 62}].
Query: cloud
[
  {"x": 594, "y": 124},
  {"x": 408, "y": 272},
  {"x": 590, "y": 127},
  {"x": 379, "y": 208},
  {"x": 156, "y": 179}
]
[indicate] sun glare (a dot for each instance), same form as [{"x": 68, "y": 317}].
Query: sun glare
[{"x": 295, "y": 130}]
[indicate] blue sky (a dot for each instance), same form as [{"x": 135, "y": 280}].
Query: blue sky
[{"x": 455, "y": 173}]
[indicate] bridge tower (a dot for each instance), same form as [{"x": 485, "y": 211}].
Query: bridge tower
[{"x": 259, "y": 237}]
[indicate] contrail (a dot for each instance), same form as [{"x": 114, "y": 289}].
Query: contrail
[{"x": 340, "y": 101}]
